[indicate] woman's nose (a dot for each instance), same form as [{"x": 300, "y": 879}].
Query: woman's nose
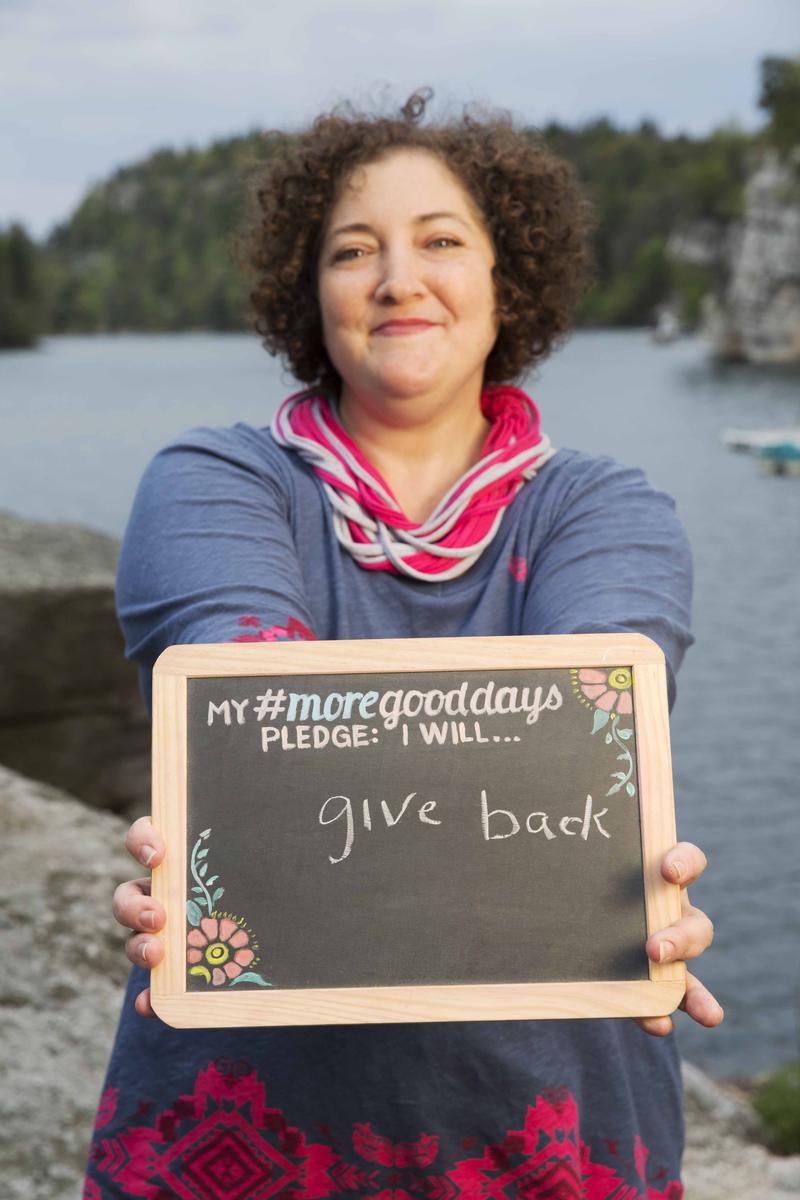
[{"x": 400, "y": 278}]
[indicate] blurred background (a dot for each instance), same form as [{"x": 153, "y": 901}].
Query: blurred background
[{"x": 129, "y": 137}]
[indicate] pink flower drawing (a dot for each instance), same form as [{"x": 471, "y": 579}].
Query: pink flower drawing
[
  {"x": 218, "y": 950},
  {"x": 608, "y": 690}
]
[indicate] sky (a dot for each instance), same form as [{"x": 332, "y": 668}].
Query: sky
[{"x": 87, "y": 86}]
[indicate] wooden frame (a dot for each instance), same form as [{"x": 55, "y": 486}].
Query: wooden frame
[{"x": 475, "y": 1002}]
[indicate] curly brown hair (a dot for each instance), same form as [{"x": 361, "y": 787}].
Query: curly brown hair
[{"x": 530, "y": 200}]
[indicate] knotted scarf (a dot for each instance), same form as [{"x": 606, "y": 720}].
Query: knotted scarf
[{"x": 367, "y": 519}]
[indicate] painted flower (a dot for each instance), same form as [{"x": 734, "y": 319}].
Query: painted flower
[
  {"x": 518, "y": 568},
  {"x": 609, "y": 690},
  {"x": 218, "y": 950},
  {"x": 292, "y": 631}
]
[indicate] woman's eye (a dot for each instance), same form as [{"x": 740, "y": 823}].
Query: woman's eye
[
  {"x": 447, "y": 240},
  {"x": 348, "y": 253}
]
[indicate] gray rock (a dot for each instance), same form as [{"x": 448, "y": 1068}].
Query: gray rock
[
  {"x": 702, "y": 243},
  {"x": 61, "y": 985},
  {"x": 763, "y": 297},
  {"x": 718, "y": 1105},
  {"x": 35, "y": 555},
  {"x": 724, "y": 1157},
  {"x": 754, "y": 312},
  {"x": 70, "y": 709}
]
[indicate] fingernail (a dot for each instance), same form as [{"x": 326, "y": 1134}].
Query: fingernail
[
  {"x": 679, "y": 870},
  {"x": 665, "y": 950},
  {"x": 143, "y": 951},
  {"x": 146, "y": 855},
  {"x": 148, "y": 919}
]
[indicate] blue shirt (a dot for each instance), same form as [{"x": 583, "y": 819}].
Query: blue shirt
[{"x": 231, "y": 538}]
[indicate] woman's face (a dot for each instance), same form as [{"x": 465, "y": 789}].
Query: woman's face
[{"x": 405, "y": 283}]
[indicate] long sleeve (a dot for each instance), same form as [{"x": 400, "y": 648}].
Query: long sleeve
[
  {"x": 208, "y": 554},
  {"x": 615, "y": 559}
]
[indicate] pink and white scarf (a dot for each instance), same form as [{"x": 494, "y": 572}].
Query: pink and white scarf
[{"x": 367, "y": 520}]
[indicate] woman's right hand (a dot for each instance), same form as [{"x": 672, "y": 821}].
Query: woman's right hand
[{"x": 136, "y": 909}]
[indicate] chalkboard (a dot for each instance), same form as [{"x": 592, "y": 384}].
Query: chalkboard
[{"x": 429, "y": 829}]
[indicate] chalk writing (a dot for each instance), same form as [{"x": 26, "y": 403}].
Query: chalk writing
[{"x": 496, "y": 824}]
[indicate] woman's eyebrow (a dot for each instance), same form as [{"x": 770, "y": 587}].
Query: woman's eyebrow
[{"x": 362, "y": 227}]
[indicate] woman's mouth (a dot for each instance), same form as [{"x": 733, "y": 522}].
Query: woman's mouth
[{"x": 397, "y": 328}]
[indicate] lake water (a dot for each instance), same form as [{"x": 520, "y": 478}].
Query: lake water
[{"x": 82, "y": 416}]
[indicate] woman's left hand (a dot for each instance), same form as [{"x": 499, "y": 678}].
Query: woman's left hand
[{"x": 687, "y": 938}]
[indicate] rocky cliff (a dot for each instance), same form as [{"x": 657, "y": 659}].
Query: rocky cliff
[{"x": 753, "y": 312}]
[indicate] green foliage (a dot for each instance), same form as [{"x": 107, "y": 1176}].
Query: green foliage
[
  {"x": 690, "y": 283},
  {"x": 780, "y": 97},
  {"x": 777, "y": 1102},
  {"x": 643, "y": 186},
  {"x": 152, "y": 248},
  {"x": 633, "y": 294},
  {"x": 22, "y": 308},
  {"x": 711, "y": 184}
]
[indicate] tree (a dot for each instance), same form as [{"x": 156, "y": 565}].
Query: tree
[
  {"x": 22, "y": 309},
  {"x": 780, "y": 97}
]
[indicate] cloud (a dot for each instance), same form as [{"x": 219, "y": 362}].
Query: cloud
[{"x": 87, "y": 86}]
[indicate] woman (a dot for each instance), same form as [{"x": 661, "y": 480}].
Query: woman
[{"x": 407, "y": 272}]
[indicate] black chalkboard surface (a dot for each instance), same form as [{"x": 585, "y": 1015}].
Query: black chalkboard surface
[{"x": 439, "y": 829}]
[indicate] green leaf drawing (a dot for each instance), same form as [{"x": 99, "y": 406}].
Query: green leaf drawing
[
  {"x": 205, "y": 833},
  {"x": 609, "y": 739},
  {"x": 198, "y": 872},
  {"x": 194, "y": 913},
  {"x": 630, "y": 789},
  {"x": 250, "y": 977},
  {"x": 600, "y": 720},
  {"x": 218, "y": 894},
  {"x": 212, "y": 879},
  {"x": 624, "y": 734}
]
